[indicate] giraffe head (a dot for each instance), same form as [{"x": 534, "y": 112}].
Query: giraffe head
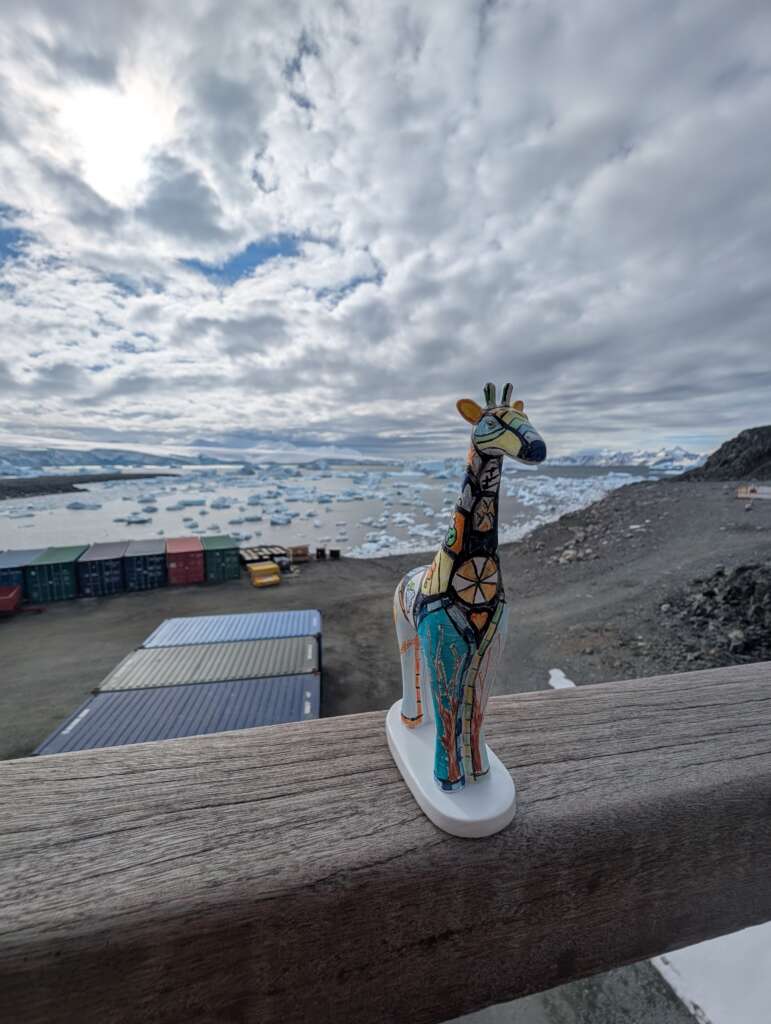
[{"x": 503, "y": 428}]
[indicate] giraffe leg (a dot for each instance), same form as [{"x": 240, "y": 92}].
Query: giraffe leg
[
  {"x": 409, "y": 652},
  {"x": 445, "y": 658},
  {"x": 476, "y": 692}
]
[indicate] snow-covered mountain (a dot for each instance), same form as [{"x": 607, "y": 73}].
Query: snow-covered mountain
[
  {"x": 665, "y": 460},
  {"x": 32, "y": 461}
]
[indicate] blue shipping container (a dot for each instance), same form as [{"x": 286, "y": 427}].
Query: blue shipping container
[
  {"x": 144, "y": 564},
  {"x": 12, "y": 565},
  {"x": 100, "y": 569},
  {"x": 139, "y": 716},
  {"x": 220, "y": 629}
]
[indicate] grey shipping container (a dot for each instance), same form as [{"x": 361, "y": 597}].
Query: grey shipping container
[
  {"x": 144, "y": 564},
  {"x": 13, "y": 564},
  {"x": 140, "y": 716},
  {"x": 213, "y": 663},
  {"x": 100, "y": 569},
  {"x": 218, "y": 629},
  {"x": 52, "y": 576}
]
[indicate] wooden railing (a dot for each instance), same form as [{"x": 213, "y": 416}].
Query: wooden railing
[{"x": 286, "y": 874}]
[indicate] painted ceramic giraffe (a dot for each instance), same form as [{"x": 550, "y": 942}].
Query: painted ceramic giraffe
[{"x": 451, "y": 615}]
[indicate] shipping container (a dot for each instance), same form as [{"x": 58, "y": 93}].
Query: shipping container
[
  {"x": 299, "y": 553},
  {"x": 213, "y": 663},
  {"x": 53, "y": 576},
  {"x": 184, "y": 561},
  {"x": 10, "y": 599},
  {"x": 120, "y": 717},
  {"x": 13, "y": 564},
  {"x": 221, "y": 629},
  {"x": 144, "y": 564},
  {"x": 100, "y": 569},
  {"x": 220, "y": 559}
]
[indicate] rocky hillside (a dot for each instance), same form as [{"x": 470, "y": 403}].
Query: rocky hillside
[
  {"x": 745, "y": 457},
  {"x": 723, "y": 618}
]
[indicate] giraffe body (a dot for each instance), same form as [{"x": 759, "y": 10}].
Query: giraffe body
[{"x": 451, "y": 616}]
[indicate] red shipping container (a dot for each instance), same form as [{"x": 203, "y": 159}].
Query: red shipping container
[
  {"x": 10, "y": 599},
  {"x": 184, "y": 561}
]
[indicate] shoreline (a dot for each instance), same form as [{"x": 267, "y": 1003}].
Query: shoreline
[{"x": 12, "y": 487}]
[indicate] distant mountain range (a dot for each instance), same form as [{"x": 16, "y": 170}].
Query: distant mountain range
[
  {"x": 665, "y": 460},
  {"x": 30, "y": 461}
]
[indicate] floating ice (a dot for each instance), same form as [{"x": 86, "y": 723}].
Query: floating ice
[{"x": 77, "y": 506}]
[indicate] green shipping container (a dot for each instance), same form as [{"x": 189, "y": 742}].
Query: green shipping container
[
  {"x": 52, "y": 576},
  {"x": 221, "y": 559}
]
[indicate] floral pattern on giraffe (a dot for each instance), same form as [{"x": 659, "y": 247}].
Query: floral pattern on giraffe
[{"x": 476, "y": 580}]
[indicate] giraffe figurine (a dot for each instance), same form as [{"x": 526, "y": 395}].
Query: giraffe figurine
[{"x": 450, "y": 621}]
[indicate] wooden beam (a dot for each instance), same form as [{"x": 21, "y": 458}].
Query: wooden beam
[{"x": 285, "y": 874}]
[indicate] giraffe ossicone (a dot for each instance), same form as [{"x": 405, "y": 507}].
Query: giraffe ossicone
[{"x": 451, "y": 619}]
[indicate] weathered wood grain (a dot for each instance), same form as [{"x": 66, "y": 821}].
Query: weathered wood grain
[{"x": 285, "y": 874}]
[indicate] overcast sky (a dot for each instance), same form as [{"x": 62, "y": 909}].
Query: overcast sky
[{"x": 327, "y": 221}]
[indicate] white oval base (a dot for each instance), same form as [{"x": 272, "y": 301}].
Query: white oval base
[{"x": 480, "y": 809}]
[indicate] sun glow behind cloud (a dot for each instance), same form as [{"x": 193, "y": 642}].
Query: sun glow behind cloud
[{"x": 114, "y": 132}]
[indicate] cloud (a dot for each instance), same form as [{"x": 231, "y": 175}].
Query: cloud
[
  {"x": 181, "y": 203},
  {"x": 365, "y": 211}
]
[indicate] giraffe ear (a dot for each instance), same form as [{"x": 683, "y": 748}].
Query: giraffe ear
[
  {"x": 519, "y": 405},
  {"x": 469, "y": 410}
]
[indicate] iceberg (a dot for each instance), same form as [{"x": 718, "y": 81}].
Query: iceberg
[{"x": 78, "y": 505}]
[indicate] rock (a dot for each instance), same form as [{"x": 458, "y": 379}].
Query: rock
[
  {"x": 746, "y": 456},
  {"x": 568, "y": 555},
  {"x": 728, "y": 614},
  {"x": 665, "y": 607}
]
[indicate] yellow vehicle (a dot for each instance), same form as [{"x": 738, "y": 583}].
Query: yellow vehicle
[{"x": 263, "y": 574}]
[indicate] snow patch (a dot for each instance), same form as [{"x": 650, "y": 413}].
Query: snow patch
[{"x": 558, "y": 680}]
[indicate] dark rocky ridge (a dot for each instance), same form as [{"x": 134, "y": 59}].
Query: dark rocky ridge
[
  {"x": 30, "y": 486},
  {"x": 745, "y": 457}
]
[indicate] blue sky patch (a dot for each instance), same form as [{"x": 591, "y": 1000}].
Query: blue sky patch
[
  {"x": 244, "y": 262},
  {"x": 10, "y": 242}
]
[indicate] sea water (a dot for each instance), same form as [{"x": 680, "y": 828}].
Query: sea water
[{"x": 365, "y": 511}]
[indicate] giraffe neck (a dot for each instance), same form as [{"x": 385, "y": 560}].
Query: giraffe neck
[{"x": 478, "y": 502}]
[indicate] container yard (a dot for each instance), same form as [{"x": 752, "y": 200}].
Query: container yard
[
  {"x": 194, "y": 687},
  {"x": 55, "y": 656},
  {"x": 99, "y": 570}
]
